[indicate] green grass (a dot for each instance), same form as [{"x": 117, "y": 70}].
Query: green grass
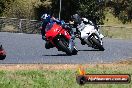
[
  {"x": 121, "y": 31},
  {"x": 110, "y": 19},
  {"x": 117, "y": 32},
  {"x": 57, "y": 78}
]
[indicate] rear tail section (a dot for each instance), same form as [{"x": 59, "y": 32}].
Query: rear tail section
[{"x": 2, "y": 53}]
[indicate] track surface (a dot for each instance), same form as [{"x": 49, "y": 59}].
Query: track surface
[{"x": 29, "y": 48}]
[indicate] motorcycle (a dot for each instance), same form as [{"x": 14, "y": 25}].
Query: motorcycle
[
  {"x": 2, "y": 53},
  {"x": 59, "y": 37},
  {"x": 89, "y": 35}
]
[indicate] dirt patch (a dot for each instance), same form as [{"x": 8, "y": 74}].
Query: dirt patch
[
  {"x": 126, "y": 61},
  {"x": 37, "y": 67},
  {"x": 117, "y": 65},
  {"x": 10, "y": 28},
  {"x": 11, "y": 67}
]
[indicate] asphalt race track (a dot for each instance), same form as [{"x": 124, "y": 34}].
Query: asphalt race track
[{"x": 30, "y": 48}]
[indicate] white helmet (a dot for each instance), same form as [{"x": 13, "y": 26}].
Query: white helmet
[
  {"x": 85, "y": 19},
  {"x": 44, "y": 16}
]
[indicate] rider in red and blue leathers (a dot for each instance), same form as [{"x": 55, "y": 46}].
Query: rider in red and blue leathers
[{"x": 47, "y": 19}]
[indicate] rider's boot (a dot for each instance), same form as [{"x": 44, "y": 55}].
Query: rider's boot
[
  {"x": 71, "y": 44},
  {"x": 48, "y": 45},
  {"x": 82, "y": 41}
]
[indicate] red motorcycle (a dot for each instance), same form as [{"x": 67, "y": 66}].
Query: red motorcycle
[
  {"x": 59, "y": 37},
  {"x": 2, "y": 53}
]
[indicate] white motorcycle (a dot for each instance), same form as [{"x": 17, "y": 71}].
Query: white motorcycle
[{"x": 89, "y": 35}]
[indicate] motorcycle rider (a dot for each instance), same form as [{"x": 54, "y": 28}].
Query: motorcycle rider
[
  {"x": 45, "y": 19},
  {"x": 79, "y": 24},
  {"x": 49, "y": 20}
]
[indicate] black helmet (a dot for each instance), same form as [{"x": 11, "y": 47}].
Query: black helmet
[{"x": 76, "y": 18}]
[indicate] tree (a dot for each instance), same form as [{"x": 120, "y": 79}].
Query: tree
[
  {"x": 92, "y": 9},
  {"x": 122, "y": 10},
  {"x": 3, "y": 4},
  {"x": 30, "y": 9},
  {"x": 69, "y": 7}
]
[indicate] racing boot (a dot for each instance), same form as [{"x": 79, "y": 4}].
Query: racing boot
[
  {"x": 82, "y": 41},
  {"x": 72, "y": 47},
  {"x": 71, "y": 44},
  {"x": 48, "y": 45}
]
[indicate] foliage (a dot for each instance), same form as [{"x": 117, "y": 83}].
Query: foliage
[
  {"x": 92, "y": 9},
  {"x": 122, "y": 9},
  {"x": 25, "y": 8},
  {"x": 19, "y": 9},
  {"x": 69, "y": 7},
  {"x": 3, "y": 4}
]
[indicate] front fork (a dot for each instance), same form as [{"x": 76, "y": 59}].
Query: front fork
[
  {"x": 71, "y": 42},
  {"x": 99, "y": 37}
]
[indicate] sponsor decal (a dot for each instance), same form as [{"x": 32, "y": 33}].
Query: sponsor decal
[{"x": 84, "y": 78}]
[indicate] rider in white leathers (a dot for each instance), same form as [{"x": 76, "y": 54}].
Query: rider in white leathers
[{"x": 82, "y": 25}]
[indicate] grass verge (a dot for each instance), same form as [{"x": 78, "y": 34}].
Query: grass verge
[
  {"x": 117, "y": 32},
  {"x": 58, "y": 76}
]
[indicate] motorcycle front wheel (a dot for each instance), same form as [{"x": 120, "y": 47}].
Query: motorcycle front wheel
[
  {"x": 97, "y": 43},
  {"x": 63, "y": 45}
]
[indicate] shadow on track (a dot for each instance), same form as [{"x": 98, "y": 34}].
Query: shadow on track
[
  {"x": 56, "y": 55},
  {"x": 89, "y": 50}
]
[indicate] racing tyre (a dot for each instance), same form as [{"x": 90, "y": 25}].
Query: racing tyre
[
  {"x": 63, "y": 45},
  {"x": 97, "y": 43}
]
